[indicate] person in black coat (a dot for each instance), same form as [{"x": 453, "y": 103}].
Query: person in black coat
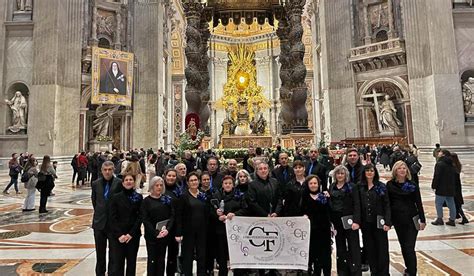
[
  {"x": 315, "y": 168},
  {"x": 345, "y": 202},
  {"x": 192, "y": 216},
  {"x": 174, "y": 191},
  {"x": 243, "y": 180},
  {"x": 458, "y": 198},
  {"x": 213, "y": 169},
  {"x": 227, "y": 201},
  {"x": 75, "y": 169},
  {"x": 283, "y": 173},
  {"x": 102, "y": 190},
  {"x": 315, "y": 205},
  {"x": 444, "y": 185},
  {"x": 156, "y": 208},
  {"x": 293, "y": 190},
  {"x": 407, "y": 212},
  {"x": 354, "y": 165},
  {"x": 263, "y": 198},
  {"x": 124, "y": 226},
  {"x": 376, "y": 220}
]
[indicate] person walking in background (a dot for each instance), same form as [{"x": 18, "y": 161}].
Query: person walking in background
[
  {"x": 75, "y": 169},
  {"x": 436, "y": 151},
  {"x": 30, "y": 185},
  {"x": 443, "y": 183},
  {"x": 458, "y": 198},
  {"x": 82, "y": 163},
  {"x": 14, "y": 171},
  {"x": 408, "y": 215},
  {"x": 45, "y": 184}
]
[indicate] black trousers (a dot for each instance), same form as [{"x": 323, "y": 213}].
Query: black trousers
[
  {"x": 121, "y": 252},
  {"x": 222, "y": 254},
  {"x": 211, "y": 247},
  {"x": 173, "y": 249},
  {"x": 100, "y": 239},
  {"x": 407, "y": 234},
  {"x": 194, "y": 242},
  {"x": 320, "y": 252},
  {"x": 44, "y": 193},
  {"x": 376, "y": 245},
  {"x": 156, "y": 251},
  {"x": 347, "y": 250}
]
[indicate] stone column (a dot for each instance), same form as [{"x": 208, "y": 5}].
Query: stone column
[
  {"x": 83, "y": 128},
  {"x": 299, "y": 89},
  {"x": 391, "y": 31},
  {"x": 128, "y": 129},
  {"x": 368, "y": 38},
  {"x": 3, "y": 49},
  {"x": 56, "y": 88},
  {"x": 286, "y": 112},
  {"x": 197, "y": 73},
  {"x": 433, "y": 72}
]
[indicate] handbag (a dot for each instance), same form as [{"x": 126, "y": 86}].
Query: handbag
[
  {"x": 416, "y": 167},
  {"x": 25, "y": 176},
  {"x": 41, "y": 177}
]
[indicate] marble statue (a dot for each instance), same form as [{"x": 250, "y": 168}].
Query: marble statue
[
  {"x": 259, "y": 125},
  {"x": 467, "y": 91},
  {"x": 388, "y": 114},
  {"x": 24, "y": 5},
  {"x": 192, "y": 128},
  {"x": 103, "y": 118},
  {"x": 19, "y": 107}
]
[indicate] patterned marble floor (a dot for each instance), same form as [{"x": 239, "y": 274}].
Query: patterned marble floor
[{"x": 61, "y": 242}]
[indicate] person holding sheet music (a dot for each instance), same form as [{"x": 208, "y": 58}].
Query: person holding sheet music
[
  {"x": 158, "y": 217},
  {"x": 407, "y": 212},
  {"x": 345, "y": 215},
  {"x": 376, "y": 220},
  {"x": 192, "y": 216}
]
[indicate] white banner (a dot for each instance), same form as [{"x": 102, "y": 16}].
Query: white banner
[{"x": 268, "y": 243}]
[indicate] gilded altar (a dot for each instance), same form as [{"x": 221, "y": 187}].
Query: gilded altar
[{"x": 235, "y": 142}]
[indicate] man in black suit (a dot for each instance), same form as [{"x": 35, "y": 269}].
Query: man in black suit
[
  {"x": 313, "y": 167},
  {"x": 283, "y": 173},
  {"x": 102, "y": 190}
]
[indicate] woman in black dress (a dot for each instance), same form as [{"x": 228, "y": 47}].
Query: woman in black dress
[
  {"x": 345, "y": 202},
  {"x": 192, "y": 215},
  {"x": 315, "y": 205},
  {"x": 376, "y": 220},
  {"x": 124, "y": 226},
  {"x": 293, "y": 190},
  {"x": 407, "y": 211},
  {"x": 174, "y": 191},
  {"x": 229, "y": 202},
  {"x": 156, "y": 208}
]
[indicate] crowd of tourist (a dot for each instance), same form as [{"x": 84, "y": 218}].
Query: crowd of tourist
[{"x": 190, "y": 197}]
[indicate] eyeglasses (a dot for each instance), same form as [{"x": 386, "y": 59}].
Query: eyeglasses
[{"x": 313, "y": 151}]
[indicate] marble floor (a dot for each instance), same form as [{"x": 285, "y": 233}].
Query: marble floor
[{"x": 61, "y": 242}]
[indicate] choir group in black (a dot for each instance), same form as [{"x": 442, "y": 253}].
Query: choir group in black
[{"x": 191, "y": 209}]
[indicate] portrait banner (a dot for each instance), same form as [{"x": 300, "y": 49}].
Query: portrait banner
[
  {"x": 268, "y": 243},
  {"x": 112, "y": 77}
]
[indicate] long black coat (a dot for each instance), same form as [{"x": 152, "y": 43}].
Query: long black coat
[{"x": 444, "y": 179}]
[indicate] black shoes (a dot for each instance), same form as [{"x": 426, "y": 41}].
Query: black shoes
[
  {"x": 451, "y": 223},
  {"x": 438, "y": 221},
  {"x": 27, "y": 210},
  {"x": 43, "y": 211},
  {"x": 464, "y": 220}
]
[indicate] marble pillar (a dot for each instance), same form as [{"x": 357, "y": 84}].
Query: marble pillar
[
  {"x": 435, "y": 91},
  {"x": 56, "y": 89},
  {"x": 337, "y": 85},
  {"x": 148, "y": 49},
  {"x": 3, "y": 108}
]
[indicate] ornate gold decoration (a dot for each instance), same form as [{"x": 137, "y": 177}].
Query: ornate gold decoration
[
  {"x": 242, "y": 84},
  {"x": 243, "y": 29}
]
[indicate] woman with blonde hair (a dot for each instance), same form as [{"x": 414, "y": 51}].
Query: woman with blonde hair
[
  {"x": 133, "y": 168},
  {"x": 407, "y": 212}
]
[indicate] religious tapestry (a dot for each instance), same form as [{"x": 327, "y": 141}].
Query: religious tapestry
[{"x": 112, "y": 77}]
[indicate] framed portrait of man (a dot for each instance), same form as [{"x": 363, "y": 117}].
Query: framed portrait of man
[{"x": 112, "y": 77}]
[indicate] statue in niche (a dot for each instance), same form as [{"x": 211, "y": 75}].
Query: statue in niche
[
  {"x": 19, "y": 107},
  {"x": 103, "y": 118},
  {"x": 24, "y": 5},
  {"x": 467, "y": 91},
  {"x": 388, "y": 114}
]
